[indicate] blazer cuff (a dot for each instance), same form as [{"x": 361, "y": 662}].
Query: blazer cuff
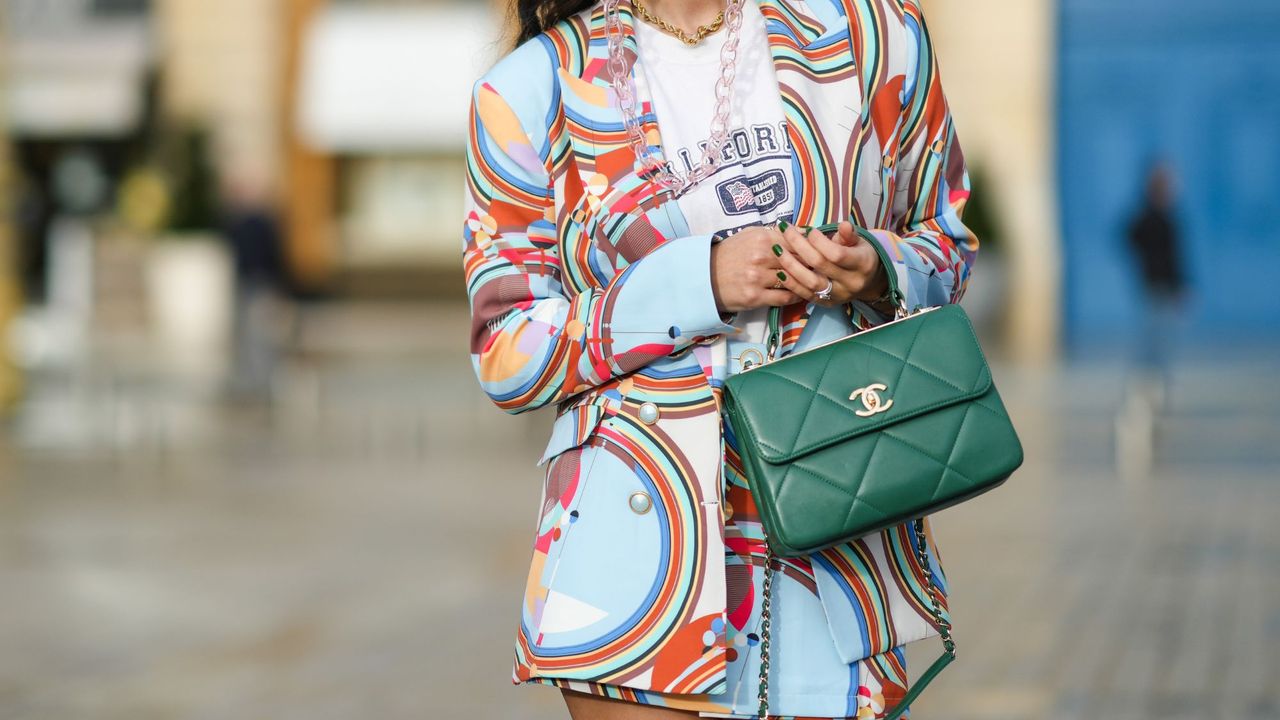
[{"x": 665, "y": 297}]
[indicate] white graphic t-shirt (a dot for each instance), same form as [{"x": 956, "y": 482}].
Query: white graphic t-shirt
[{"x": 752, "y": 186}]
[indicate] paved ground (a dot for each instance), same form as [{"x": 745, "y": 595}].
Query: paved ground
[{"x": 355, "y": 552}]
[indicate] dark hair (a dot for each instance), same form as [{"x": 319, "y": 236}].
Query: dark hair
[{"x": 534, "y": 16}]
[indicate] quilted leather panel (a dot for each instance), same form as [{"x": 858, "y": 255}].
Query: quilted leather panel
[
  {"x": 931, "y": 361},
  {"x": 823, "y": 475}
]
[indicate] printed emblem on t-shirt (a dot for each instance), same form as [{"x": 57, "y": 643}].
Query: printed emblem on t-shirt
[{"x": 756, "y": 194}]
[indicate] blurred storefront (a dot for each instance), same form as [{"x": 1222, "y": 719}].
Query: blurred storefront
[
  {"x": 379, "y": 124},
  {"x": 137, "y": 127}
]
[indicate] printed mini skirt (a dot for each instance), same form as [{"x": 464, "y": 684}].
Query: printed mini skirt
[{"x": 807, "y": 678}]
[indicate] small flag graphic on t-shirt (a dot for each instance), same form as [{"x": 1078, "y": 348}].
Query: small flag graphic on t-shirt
[
  {"x": 741, "y": 194},
  {"x": 758, "y": 194}
]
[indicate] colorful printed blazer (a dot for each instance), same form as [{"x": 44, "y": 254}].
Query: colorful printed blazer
[{"x": 589, "y": 293}]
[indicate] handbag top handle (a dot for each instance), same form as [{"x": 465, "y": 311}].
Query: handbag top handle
[{"x": 895, "y": 292}]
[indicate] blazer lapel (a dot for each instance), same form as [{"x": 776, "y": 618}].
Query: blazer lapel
[
  {"x": 607, "y": 146},
  {"x": 821, "y": 97}
]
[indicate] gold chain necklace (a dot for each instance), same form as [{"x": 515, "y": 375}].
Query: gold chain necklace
[{"x": 698, "y": 36}]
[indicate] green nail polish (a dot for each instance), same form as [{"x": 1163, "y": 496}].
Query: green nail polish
[
  {"x": 777, "y": 250},
  {"x": 783, "y": 225},
  {"x": 782, "y": 276}
]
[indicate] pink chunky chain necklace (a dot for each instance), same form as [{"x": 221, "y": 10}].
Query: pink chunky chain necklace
[{"x": 624, "y": 87}]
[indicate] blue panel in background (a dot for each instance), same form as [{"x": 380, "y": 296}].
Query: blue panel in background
[{"x": 1197, "y": 83}]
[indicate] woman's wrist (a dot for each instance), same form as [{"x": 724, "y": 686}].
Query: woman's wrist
[{"x": 879, "y": 290}]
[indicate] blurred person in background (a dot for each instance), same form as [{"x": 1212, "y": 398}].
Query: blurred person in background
[
  {"x": 623, "y": 289},
  {"x": 1155, "y": 243},
  {"x": 252, "y": 229}
]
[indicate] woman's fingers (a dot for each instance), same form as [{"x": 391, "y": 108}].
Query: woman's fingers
[
  {"x": 800, "y": 246},
  {"x": 793, "y": 265},
  {"x": 779, "y": 298},
  {"x": 803, "y": 281},
  {"x": 862, "y": 256},
  {"x": 837, "y": 254},
  {"x": 806, "y": 251},
  {"x": 851, "y": 266},
  {"x": 798, "y": 278},
  {"x": 846, "y": 235}
]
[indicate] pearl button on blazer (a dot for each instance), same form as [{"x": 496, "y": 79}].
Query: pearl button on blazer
[{"x": 588, "y": 293}]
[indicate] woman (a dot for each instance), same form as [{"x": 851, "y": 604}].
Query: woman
[{"x": 638, "y": 170}]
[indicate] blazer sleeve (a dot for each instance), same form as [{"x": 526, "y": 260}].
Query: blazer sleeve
[
  {"x": 932, "y": 250},
  {"x": 533, "y": 340}
]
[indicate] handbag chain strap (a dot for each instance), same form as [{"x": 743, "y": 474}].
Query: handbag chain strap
[
  {"x": 765, "y": 620},
  {"x": 942, "y": 624}
]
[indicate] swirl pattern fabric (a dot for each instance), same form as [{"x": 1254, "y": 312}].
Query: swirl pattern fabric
[{"x": 589, "y": 294}]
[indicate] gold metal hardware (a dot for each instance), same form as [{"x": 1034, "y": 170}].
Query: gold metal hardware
[
  {"x": 872, "y": 403},
  {"x": 691, "y": 40},
  {"x": 750, "y": 357}
]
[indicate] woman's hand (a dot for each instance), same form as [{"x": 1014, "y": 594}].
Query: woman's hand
[
  {"x": 846, "y": 259},
  {"x": 746, "y": 271}
]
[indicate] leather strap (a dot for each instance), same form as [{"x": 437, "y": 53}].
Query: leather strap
[{"x": 918, "y": 687}]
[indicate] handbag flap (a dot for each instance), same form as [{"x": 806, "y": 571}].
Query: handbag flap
[{"x": 862, "y": 383}]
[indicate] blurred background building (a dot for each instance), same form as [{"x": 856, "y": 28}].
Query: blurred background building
[
  {"x": 135, "y": 126},
  {"x": 238, "y": 466}
]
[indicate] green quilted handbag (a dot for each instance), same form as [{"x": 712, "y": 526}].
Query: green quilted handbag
[{"x": 866, "y": 432}]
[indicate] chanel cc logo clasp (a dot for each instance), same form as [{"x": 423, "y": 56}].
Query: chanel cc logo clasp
[{"x": 872, "y": 403}]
